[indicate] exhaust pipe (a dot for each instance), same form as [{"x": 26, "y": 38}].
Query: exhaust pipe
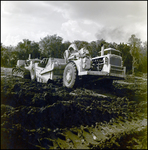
[
  {"x": 102, "y": 50},
  {"x": 29, "y": 56}
]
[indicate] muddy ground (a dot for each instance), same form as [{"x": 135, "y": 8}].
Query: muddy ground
[{"x": 91, "y": 116}]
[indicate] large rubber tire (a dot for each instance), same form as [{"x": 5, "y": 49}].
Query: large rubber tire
[
  {"x": 27, "y": 74},
  {"x": 17, "y": 72},
  {"x": 70, "y": 75}
]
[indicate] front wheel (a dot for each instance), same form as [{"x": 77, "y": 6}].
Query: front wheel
[{"x": 70, "y": 75}]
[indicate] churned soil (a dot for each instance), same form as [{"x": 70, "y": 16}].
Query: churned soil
[{"x": 90, "y": 116}]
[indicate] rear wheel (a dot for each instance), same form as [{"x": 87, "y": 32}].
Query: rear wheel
[
  {"x": 17, "y": 72},
  {"x": 70, "y": 75},
  {"x": 27, "y": 74}
]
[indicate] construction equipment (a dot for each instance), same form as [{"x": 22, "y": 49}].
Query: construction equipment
[{"x": 78, "y": 63}]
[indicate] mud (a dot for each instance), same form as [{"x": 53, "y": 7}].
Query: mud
[{"x": 91, "y": 116}]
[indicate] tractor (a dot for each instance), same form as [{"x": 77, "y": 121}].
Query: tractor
[{"x": 77, "y": 64}]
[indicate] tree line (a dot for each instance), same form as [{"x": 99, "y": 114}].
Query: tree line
[{"x": 134, "y": 53}]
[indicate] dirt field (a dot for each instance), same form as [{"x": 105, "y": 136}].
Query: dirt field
[{"x": 91, "y": 116}]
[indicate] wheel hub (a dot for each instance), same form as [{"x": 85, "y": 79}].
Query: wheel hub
[{"x": 68, "y": 76}]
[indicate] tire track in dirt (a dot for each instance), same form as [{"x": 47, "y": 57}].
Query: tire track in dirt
[{"x": 50, "y": 116}]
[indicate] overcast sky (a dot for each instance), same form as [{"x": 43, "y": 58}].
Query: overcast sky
[{"x": 113, "y": 21}]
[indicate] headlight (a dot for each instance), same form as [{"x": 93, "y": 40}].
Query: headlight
[{"x": 106, "y": 60}]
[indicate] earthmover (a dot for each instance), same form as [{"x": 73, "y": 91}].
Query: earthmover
[{"x": 77, "y": 64}]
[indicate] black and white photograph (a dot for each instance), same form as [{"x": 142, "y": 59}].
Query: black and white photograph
[{"x": 73, "y": 74}]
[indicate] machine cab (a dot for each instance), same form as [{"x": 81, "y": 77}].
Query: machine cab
[{"x": 111, "y": 51}]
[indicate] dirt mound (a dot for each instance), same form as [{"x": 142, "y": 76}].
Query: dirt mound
[{"x": 37, "y": 115}]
